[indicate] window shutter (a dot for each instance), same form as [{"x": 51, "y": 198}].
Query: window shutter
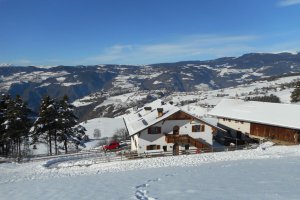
[
  {"x": 158, "y": 147},
  {"x": 149, "y": 130},
  {"x": 148, "y": 147},
  {"x": 202, "y": 128},
  {"x": 193, "y": 129},
  {"x": 158, "y": 129}
]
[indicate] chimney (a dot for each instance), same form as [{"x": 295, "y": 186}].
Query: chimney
[{"x": 160, "y": 112}]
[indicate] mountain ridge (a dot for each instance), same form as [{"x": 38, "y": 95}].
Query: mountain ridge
[{"x": 33, "y": 82}]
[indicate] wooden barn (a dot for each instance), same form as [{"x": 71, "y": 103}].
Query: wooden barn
[{"x": 274, "y": 121}]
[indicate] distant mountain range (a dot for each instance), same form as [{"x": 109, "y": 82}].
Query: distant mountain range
[{"x": 32, "y": 83}]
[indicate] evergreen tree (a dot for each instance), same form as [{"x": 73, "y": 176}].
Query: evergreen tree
[
  {"x": 67, "y": 120},
  {"x": 295, "y": 96},
  {"x": 46, "y": 125},
  {"x": 55, "y": 123},
  {"x": 80, "y": 136},
  {"x": 17, "y": 123},
  {"x": 14, "y": 125},
  {"x": 3, "y": 135},
  {"x": 80, "y": 132},
  {"x": 272, "y": 98}
]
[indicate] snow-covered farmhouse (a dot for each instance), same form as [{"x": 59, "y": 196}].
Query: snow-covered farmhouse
[
  {"x": 161, "y": 126},
  {"x": 260, "y": 120}
]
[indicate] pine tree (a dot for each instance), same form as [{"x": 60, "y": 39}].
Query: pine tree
[
  {"x": 80, "y": 132},
  {"x": 14, "y": 125},
  {"x": 272, "y": 98},
  {"x": 46, "y": 125},
  {"x": 3, "y": 135},
  {"x": 17, "y": 123},
  {"x": 295, "y": 96},
  {"x": 80, "y": 136},
  {"x": 67, "y": 120}
]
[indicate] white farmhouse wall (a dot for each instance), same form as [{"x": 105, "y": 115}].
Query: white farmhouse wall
[
  {"x": 185, "y": 127},
  {"x": 244, "y": 127},
  {"x": 134, "y": 142}
]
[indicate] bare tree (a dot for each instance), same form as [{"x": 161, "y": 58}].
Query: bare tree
[{"x": 120, "y": 134}]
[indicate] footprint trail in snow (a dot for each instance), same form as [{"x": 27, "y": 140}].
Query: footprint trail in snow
[{"x": 141, "y": 192}]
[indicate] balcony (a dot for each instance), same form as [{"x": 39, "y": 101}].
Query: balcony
[{"x": 186, "y": 139}]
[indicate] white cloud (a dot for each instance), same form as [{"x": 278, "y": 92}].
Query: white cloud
[
  {"x": 189, "y": 47},
  {"x": 192, "y": 47},
  {"x": 285, "y": 3}
]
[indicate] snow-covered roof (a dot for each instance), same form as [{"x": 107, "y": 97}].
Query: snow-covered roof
[
  {"x": 142, "y": 119},
  {"x": 276, "y": 114}
]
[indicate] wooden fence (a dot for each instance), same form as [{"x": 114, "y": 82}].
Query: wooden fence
[
  {"x": 105, "y": 157},
  {"x": 100, "y": 156}
]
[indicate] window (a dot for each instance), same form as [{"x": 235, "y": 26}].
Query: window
[
  {"x": 153, "y": 147},
  {"x": 165, "y": 148},
  {"x": 196, "y": 128},
  {"x": 154, "y": 130}
]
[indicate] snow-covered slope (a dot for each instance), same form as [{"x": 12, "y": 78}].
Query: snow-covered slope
[
  {"x": 247, "y": 174},
  {"x": 197, "y": 102},
  {"x": 106, "y": 126}
]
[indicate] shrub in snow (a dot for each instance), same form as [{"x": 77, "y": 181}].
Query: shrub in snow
[{"x": 295, "y": 96}]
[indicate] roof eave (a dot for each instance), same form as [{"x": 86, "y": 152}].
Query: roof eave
[{"x": 252, "y": 121}]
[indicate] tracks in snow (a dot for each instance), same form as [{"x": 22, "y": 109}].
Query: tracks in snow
[{"x": 142, "y": 192}]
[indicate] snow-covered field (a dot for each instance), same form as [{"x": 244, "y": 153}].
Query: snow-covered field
[
  {"x": 249, "y": 174},
  {"x": 199, "y": 102},
  {"x": 36, "y": 77},
  {"x": 272, "y": 173},
  {"x": 213, "y": 97},
  {"x": 106, "y": 126}
]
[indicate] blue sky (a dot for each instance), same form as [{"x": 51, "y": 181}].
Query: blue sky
[{"x": 75, "y": 32}]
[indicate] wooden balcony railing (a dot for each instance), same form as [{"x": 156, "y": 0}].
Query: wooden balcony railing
[{"x": 186, "y": 139}]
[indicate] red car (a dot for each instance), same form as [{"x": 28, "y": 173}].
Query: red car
[{"x": 113, "y": 145}]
